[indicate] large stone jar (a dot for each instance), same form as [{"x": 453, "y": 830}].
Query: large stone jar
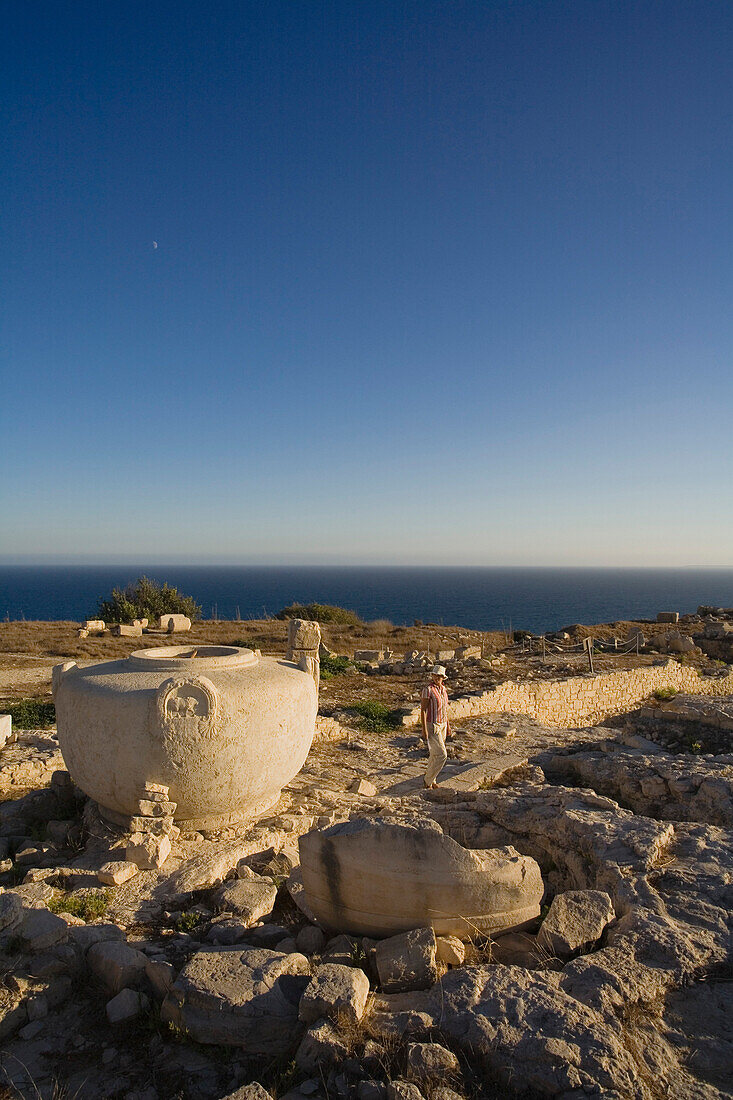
[{"x": 222, "y": 727}]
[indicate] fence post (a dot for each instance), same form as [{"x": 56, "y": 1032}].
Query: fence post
[
  {"x": 588, "y": 644},
  {"x": 543, "y": 649}
]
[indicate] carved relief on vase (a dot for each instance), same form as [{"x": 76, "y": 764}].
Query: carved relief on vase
[{"x": 187, "y": 709}]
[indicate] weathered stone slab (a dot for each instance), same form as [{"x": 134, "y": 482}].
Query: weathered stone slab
[
  {"x": 248, "y": 999},
  {"x": 7, "y": 734},
  {"x": 117, "y": 872},
  {"x": 250, "y": 899},
  {"x": 303, "y": 634},
  {"x": 575, "y": 921},
  {"x": 116, "y": 964},
  {"x": 335, "y": 991},
  {"x": 407, "y": 961},
  {"x": 373, "y": 877},
  {"x": 124, "y": 630}
]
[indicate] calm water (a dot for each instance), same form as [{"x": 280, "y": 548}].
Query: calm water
[{"x": 483, "y": 599}]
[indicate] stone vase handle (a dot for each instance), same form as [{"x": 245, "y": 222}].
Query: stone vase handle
[{"x": 57, "y": 674}]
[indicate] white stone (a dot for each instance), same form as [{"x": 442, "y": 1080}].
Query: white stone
[
  {"x": 117, "y": 872},
  {"x": 126, "y": 1006},
  {"x": 116, "y": 964},
  {"x": 335, "y": 991},
  {"x": 41, "y": 929},
  {"x": 407, "y": 961},
  {"x": 247, "y": 999},
  {"x": 223, "y": 730},
  {"x": 7, "y": 733},
  {"x": 250, "y": 899},
  {"x": 303, "y": 634},
  {"x": 374, "y": 878},
  {"x": 96, "y": 625},
  {"x": 450, "y": 950},
  {"x": 148, "y": 851},
  {"x": 125, "y": 630},
  {"x": 175, "y": 624},
  {"x": 363, "y": 786},
  {"x": 575, "y": 921},
  {"x": 148, "y": 807}
]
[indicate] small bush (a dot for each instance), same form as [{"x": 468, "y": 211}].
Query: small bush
[
  {"x": 376, "y": 716},
  {"x": 89, "y": 906},
  {"x": 320, "y": 613},
  {"x": 146, "y": 599},
  {"x": 31, "y": 714},
  {"x": 334, "y": 666},
  {"x": 665, "y": 693}
]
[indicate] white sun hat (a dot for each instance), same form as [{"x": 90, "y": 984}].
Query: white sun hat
[{"x": 438, "y": 670}]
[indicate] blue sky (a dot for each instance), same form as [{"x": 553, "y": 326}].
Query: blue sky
[{"x": 434, "y": 282}]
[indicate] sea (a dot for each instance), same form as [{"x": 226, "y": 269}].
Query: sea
[{"x": 491, "y": 598}]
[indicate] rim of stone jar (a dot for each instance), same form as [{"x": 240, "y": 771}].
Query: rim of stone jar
[{"x": 206, "y": 656}]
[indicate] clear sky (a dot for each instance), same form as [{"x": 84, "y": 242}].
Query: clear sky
[{"x": 367, "y": 281}]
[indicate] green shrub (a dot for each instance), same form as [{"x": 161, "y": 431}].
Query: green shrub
[
  {"x": 146, "y": 599},
  {"x": 665, "y": 693},
  {"x": 320, "y": 613},
  {"x": 376, "y": 716},
  {"x": 31, "y": 714},
  {"x": 334, "y": 666},
  {"x": 89, "y": 906}
]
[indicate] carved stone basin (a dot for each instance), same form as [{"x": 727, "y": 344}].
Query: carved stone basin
[{"x": 222, "y": 727}]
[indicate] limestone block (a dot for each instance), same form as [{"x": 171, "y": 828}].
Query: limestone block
[
  {"x": 431, "y": 1061},
  {"x": 253, "y": 1091},
  {"x": 366, "y": 656},
  {"x": 155, "y": 792},
  {"x": 464, "y": 652},
  {"x": 161, "y": 976},
  {"x": 88, "y": 935},
  {"x": 575, "y": 921},
  {"x": 117, "y": 965},
  {"x": 139, "y": 824},
  {"x": 407, "y": 961},
  {"x": 126, "y": 1006},
  {"x": 150, "y": 808},
  {"x": 7, "y": 733},
  {"x": 248, "y": 999},
  {"x": 94, "y": 625},
  {"x": 668, "y": 616},
  {"x": 303, "y": 634},
  {"x": 310, "y": 940},
  {"x": 250, "y": 899},
  {"x": 142, "y": 623},
  {"x": 363, "y": 786},
  {"x": 308, "y": 663},
  {"x": 82, "y": 633},
  {"x": 450, "y": 950},
  {"x": 117, "y": 872},
  {"x": 403, "y": 1090},
  {"x": 375, "y": 878},
  {"x": 41, "y": 929},
  {"x": 322, "y": 1045},
  {"x": 337, "y": 992},
  {"x": 175, "y": 624},
  {"x": 147, "y": 850},
  {"x": 11, "y": 911}
]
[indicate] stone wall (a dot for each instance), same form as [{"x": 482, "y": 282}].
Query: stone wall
[{"x": 588, "y": 699}]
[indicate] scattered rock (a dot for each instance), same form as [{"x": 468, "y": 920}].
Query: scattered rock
[
  {"x": 126, "y": 1006},
  {"x": 117, "y": 872},
  {"x": 253, "y": 1091},
  {"x": 116, "y": 964},
  {"x": 250, "y": 899},
  {"x": 335, "y": 991},
  {"x": 148, "y": 851},
  {"x": 321, "y": 1045},
  {"x": 450, "y": 950},
  {"x": 247, "y": 999},
  {"x": 41, "y": 929},
  {"x": 363, "y": 786},
  {"x": 427, "y": 1061},
  {"x": 575, "y": 921},
  {"x": 403, "y": 1090},
  {"x": 310, "y": 940},
  {"x": 407, "y": 961}
]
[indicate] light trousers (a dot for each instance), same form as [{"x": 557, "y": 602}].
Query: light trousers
[{"x": 438, "y": 755}]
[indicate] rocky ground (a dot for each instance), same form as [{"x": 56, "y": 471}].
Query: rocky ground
[{"x": 104, "y": 986}]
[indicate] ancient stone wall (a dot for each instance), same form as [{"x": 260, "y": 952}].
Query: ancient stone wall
[{"x": 586, "y": 700}]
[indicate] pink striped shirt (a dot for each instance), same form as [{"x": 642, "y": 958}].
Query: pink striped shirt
[{"x": 435, "y": 702}]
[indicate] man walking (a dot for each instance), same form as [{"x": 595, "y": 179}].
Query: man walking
[{"x": 434, "y": 721}]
